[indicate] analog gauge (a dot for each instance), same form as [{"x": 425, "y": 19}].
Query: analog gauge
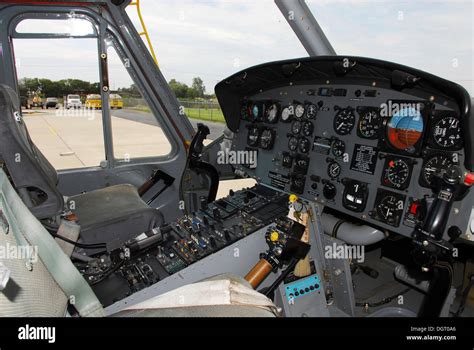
[
  {"x": 355, "y": 195},
  {"x": 405, "y": 129},
  {"x": 329, "y": 191},
  {"x": 253, "y": 136},
  {"x": 304, "y": 145},
  {"x": 287, "y": 160},
  {"x": 334, "y": 170},
  {"x": 301, "y": 165},
  {"x": 344, "y": 121},
  {"x": 390, "y": 209},
  {"x": 271, "y": 113},
  {"x": 267, "y": 139},
  {"x": 369, "y": 124},
  {"x": 307, "y": 129},
  {"x": 297, "y": 184},
  {"x": 299, "y": 111},
  {"x": 397, "y": 173},
  {"x": 286, "y": 114},
  {"x": 256, "y": 111},
  {"x": 293, "y": 144},
  {"x": 311, "y": 111},
  {"x": 244, "y": 112},
  {"x": 296, "y": 127},
  {"x": 434, "y": 166},
  {"x": 338, "y": 148},
  {"x": 447, "y": 132}
]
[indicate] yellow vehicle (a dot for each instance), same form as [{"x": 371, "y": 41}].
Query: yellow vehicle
[
  {"x": 116, "y": 101},
  {"x": 93, "y": 102}
]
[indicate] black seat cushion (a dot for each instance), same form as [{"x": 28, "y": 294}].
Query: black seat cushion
[{"x": 111, "y": 213}]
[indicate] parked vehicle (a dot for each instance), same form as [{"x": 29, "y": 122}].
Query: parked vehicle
[
  {"x": 73, "y": 101},
  {"x": 116, "y": 101},
  {"x": 34, "y": 101},
  {"x": 52, "y": 102},
  {"x": 93, "y": 101}
]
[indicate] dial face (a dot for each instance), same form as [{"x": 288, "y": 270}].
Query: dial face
[
  {"x": 434, "y": 166},
  {"x": 255, "y": 111},
  {"x": 390, "y": 209},
  {"x": 253, "y": 136},
  {"x": 338, "y": 148},
  {"x": 344, "y": 121},
  {"x": 398, "y": 173},
  {"x": 299, "y": 111},
  {"x": 447, "y": 132},
  {"x": 307, "y": 129},
  {"x": 355, "y": 196},
  {"x": 286, "y": 114},
  {"x": 405, "y": 129},
  {"x": 267, "y": 139},
  {"x": 297, "y": 184},
  {"x": 287, "y": 160},
  {"x": 304, "y": 145},
  {"x": 272, "y": 113},
  {"x": 334, "y": 170},
  {"x": 329, "y": 191},
  {"x": 293, "y": 144},
  {"x": 369, "y": 124},
  {"x": 296, "y": 127},
  {"x": 301, "y": 165},
  {"x": 311, "y": 111}
]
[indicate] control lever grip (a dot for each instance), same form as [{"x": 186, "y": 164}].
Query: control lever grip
[{"x": 197, "y": 145}]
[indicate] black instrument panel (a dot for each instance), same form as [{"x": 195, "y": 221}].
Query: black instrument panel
[{"x": 357, "y": 145}]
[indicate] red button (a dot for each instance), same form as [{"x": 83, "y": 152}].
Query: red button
[
  {"x": 469, "y": 179},
  {"x": 414, "y": 208}
]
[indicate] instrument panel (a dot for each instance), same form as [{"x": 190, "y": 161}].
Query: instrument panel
[{"x": 360, "y": 146}]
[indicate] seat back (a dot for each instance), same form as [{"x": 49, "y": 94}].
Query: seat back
[{"x": 34, "y": 177}]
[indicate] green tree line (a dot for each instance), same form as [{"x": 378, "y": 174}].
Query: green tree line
[
  {"x": 59, "y": 88},
  {"x": 181, "y": 90},
  {"x": 49, "y": 88}
]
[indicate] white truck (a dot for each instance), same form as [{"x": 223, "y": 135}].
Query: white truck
[{"x": 73, "y": 101}]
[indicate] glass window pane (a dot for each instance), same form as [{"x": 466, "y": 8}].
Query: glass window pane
[
  {"x": 53, "y": 86},
  {"x": 136, "y": 132},
  {"x": 68, "y": 27}
]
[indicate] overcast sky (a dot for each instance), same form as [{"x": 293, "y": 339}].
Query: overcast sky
[{"x": 215, "y": 38}]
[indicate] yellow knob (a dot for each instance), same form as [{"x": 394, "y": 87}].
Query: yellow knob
[
  {"x": 293, "y": 198},
  {"x": 274, "y": 236}
]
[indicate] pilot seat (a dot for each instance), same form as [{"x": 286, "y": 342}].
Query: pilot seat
[{"x": 107, "y": 214}]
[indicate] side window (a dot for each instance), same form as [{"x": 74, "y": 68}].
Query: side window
[
  {"x": 55, "y": 75},
  {"x": 135, "y": 130}
]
